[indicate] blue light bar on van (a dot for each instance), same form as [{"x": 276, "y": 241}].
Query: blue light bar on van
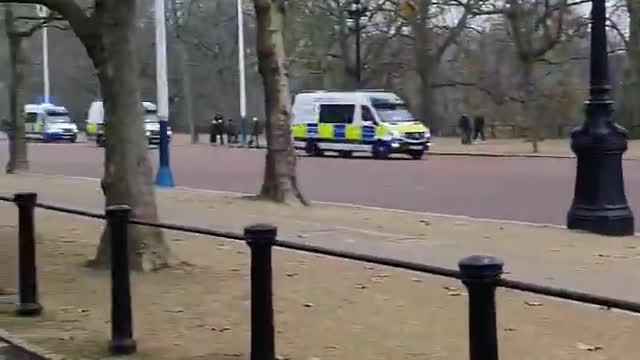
[{"x": 45, "y": 100}]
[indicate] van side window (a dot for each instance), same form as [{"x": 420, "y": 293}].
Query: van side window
[
  {"x": 31, "y": 118},
  {"x": 367, "y": 115},
  {"x": 336, "y": 113}
]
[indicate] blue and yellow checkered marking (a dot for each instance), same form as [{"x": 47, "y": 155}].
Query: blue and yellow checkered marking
[{"x": 338, "y": 132}]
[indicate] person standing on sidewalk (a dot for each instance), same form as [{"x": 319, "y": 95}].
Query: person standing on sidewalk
[
  {"x": 219, "y": 120},
  {"x": 255, "y": 132},
  {"x": 464, "y": 126},
  {"x": 213, "y": 130},
  {"x": 478, "y": 128}
]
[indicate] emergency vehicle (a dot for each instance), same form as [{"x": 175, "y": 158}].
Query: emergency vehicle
[
  {"x": 48, "y": 122},
  {"x": 96, "y": 120},
  {"x": 372, "y": 121}
]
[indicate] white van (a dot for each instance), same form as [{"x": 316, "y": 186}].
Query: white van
[
  {"x": 373, "y": 121},
  {"x": 48, "y": 122},
  {"x": 95, "y": 123}
]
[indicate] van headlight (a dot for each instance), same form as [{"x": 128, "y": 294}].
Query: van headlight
[
  {"x": 395, "y": 134},
  {"x": 427, "y": 134},
  {"x": 147, "y": 133}
]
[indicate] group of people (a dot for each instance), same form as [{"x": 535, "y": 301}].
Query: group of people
[
  {"x": 469, "y": 132},
  {"x": 220, "y": 128}
]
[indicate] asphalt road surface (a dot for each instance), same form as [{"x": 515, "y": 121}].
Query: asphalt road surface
[{"x": 533, "y": 190}]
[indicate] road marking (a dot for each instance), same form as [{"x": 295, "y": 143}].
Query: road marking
[{"x": 363, "y": 207}]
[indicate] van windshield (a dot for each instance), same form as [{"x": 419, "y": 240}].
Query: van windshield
[
  {"x": 58, "y": 117},
  {"x": 151, "y": 116},
  {"x": 392, "y": 111}
]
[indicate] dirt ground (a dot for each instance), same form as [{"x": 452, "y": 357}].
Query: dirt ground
[
  {"x": 520, "y": 146},
  {"x": 199, "y": 309}
]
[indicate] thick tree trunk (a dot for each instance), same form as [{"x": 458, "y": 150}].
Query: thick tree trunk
[
  {"x": 427, "y": 100},
  {"x": 16, "y": 133},
  {"x": 280, "y": 182},
  {"x": 629, "y": 114},
  {"x": 529, "y": 105},
  {"x": 127, "y": 172},
  {"x": 187, "y": 102}
]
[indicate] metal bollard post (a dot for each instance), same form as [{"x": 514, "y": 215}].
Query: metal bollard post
[
  {"x": 479, "y": 275},
  {"x": 27, "y": 275},
  {"x": 260, "y": 238},
  {"x": 122, "y": 341}
]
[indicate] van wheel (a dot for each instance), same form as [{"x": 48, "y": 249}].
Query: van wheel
[
  {"x": 312, "y": 149},
  {"x": 346, "y": 154},
  {"x": 380, "y": 151},
  {"x": 416, "y": 154}
]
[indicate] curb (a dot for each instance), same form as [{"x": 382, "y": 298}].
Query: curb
[
  {"x": 489, "y": 154},
  {"x": 32, "y": 351}
]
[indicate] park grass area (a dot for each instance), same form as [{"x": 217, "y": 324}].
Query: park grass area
[{"x": 324, "y": 308}]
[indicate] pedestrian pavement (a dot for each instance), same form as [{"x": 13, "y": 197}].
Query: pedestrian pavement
[{"x": 546, "y": 255}]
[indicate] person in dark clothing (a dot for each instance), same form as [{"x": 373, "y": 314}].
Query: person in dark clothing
[
  {"x": 478, "y": 128},
  {"x": 464, "y": 124},
  {"x": 255, "y": 132},
  {"x": 213, "y": 131},
  {"x": 232, "y": 132},
  {"x": 219, "y": 128}
]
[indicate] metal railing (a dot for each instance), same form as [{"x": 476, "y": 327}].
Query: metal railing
[{"x": 481, "y": 275}]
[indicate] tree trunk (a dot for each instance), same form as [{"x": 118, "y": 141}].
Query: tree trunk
[
  {"x": 280, "y": 181},
  {"x": 529, "y": 105},
  {"x": 427, "y": 101},
  {"x": 187, "y": 102},
  {"x": 629, "y": 114},
  {"x": 127, "y": 172},
  {"x": 16, "y": 133}
]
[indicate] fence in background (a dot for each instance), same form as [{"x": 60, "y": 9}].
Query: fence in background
[{"x": 481, "y": 275}]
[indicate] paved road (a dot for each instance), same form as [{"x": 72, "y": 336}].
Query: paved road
[{"x": 535, "y": 190}]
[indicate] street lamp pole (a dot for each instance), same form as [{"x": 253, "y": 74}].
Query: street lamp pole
[
  {"x": 600, "y": 204},
  {"x": 43, "y": 12},
  {"x": 241, "y": 71},
  {"x": 164, "y": 177},
  {"x": 356, "y": 12}
]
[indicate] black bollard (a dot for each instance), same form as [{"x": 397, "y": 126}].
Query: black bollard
[
  {"x": 27, "y": 275},
  {"x": 260, "y": 238},
  {"x": 480, "y": 275},
  {"x": 122, "y": 341}
]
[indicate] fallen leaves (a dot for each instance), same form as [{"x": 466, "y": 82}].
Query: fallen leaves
[
  {"x": 533, "y": 303},
  {"x": 587, "y": 347},
  {"x": 176, "y": 310}
]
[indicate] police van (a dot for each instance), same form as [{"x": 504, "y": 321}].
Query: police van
[
  {"x": 96, "y": 120},
  {"x": 372, "y": 121},
  {"x": 48, "y": 122}
]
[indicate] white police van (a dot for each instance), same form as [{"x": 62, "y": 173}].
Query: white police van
[{"x": 48, "y": 122}]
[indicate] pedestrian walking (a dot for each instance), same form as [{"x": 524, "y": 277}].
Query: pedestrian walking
[
  {"x": 464, "y": 126},
  {"x": 213, "y": 131},
  {"x": 219, "y": 126},
  {"x": 255, "y": 133},
  {"x": 478, "y": 128},
  {"x": 232, "y": 132}
]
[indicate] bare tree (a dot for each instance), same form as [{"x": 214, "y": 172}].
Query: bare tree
[
  {"x": 536, "y": 27},
  {"x": 17, "y": 29},
  {"x": 107, "y": 32},
  {"x": 280, "y": 181},
  {"x": 180, "y": 15}
]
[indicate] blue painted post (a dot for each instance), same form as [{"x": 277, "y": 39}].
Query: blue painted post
[{"x": 164, "y": 178}]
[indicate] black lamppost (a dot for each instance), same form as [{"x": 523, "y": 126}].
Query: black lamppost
[
  {"x": 356, "y": 12},
  {"x": 600, "y": 204}
]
